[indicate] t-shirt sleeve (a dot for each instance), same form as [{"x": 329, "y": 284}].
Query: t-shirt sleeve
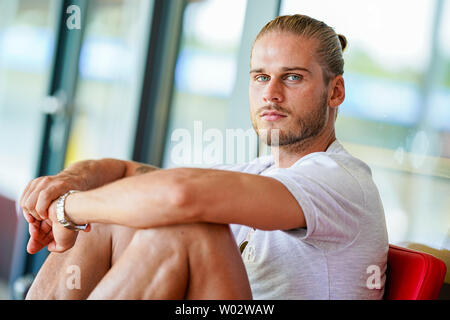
[{"x": 330, "y": 198}]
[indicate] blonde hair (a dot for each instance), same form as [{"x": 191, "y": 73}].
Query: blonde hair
[{"x": 330, "y": 45}]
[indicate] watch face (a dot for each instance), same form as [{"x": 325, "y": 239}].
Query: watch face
[{"x": 61, "y": 217}]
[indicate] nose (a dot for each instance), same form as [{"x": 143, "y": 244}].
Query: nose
[{"x": 273, "y": 92}]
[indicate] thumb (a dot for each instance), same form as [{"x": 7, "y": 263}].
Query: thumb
[
  {"x": 51, "y": 246},
  {"x": 55, "y": 247}
]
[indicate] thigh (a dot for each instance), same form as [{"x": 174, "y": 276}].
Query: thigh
[
  {"x": 152, "y": 266},
  {"x": 191, "y": 261},
  {"x": 83, "y": 266},
  {"x": 217, "y": 268},
  {"x": 89, "y": 260}
]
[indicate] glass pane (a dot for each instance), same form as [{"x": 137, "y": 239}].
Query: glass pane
[
  {"x": 27, "y": 38},
  {"x": 109, "y": 81},
  {"x": 204, "y": 77},
  {"x": 397, "y": 108}
]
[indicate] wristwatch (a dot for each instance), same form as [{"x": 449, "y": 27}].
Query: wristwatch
[{"x": 61, "y": 214}]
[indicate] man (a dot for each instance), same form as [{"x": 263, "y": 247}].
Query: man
[{"x": 308, "y": 221}]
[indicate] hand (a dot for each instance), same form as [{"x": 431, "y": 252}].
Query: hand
[
  {"x": 42, "y": 191},
  {"x": 50, "y": 232},
  {"x": 40, "y": 235}
]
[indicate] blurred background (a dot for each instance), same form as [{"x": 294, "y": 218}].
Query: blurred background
[{"x": 134, "y": 71}]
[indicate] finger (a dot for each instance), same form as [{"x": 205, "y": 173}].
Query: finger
[
  {"x": 45, "y": 198},
  {"x": 35, "y": 244},
  {"x": 48, "y": 195},
  {"x": 46, "y": 226},
  {"x": 30, "y": 202},
  {"x": 25, "y": 193},
  {"x": 25, "y": 211},
  {"x": 29, "y": 207},
  {"x": 35, "y": 225},
  {"x": 49, "y": 237},
  {"x": 28, "y": 217},
  {"x": 33, "y": 230},
  {"x": 45, "y": 230},
  {"x": 32, "y": 226}
]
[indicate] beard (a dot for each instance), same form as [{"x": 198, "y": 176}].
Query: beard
[{"x": 304, "y": 129}]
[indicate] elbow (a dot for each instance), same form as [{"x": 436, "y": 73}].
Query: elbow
[
  {"x": 180, "y": 197},
  {"x": 183, "y": 200}
]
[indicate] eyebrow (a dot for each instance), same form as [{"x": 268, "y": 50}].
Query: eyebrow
[{"x": 284, "y": 69}]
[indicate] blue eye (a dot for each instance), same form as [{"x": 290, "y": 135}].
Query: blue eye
[
  {"x": 262, "y": 78},
  {"x": 294, "y": 77}
]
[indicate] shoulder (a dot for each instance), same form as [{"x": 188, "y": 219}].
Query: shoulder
[
  {"x": 335, "y": 171},
  {"x": 336, "y": 162},
  {"x": 255, "y": 166}
]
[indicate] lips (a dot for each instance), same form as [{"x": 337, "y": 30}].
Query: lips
[{"x": 272, "y": 115}]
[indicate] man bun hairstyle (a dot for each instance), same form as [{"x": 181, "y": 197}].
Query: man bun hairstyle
[
  {"x": 330, "y": 45},
  {"x": 343, "y": 41}
]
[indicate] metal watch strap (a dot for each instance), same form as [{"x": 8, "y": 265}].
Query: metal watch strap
[{"x": 61, "y": 214}]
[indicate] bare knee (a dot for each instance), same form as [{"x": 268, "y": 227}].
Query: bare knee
[
  {"x": 194, "y": 261},
  {"x": 109, "y": 237},
  {"x": 217, "y": 269},
  {"x": 163, "y": 238},
  {"x": 183, "y": 240},
  {"x": 183, "y": 234},
  {"x": 154, "y": 265}
]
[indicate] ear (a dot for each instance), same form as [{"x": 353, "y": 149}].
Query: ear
[{"x": 337, "y": 90}]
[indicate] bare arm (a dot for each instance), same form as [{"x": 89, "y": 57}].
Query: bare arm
[
  {"x": 38, "y": 198},
  {"x": 136, "y": 168},
  {"x": 96, "y": 173},
  {"x": 187, "y": 195},
  {"x": 82, "y": 175}
]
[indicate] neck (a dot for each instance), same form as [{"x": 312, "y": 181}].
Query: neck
[{"x": 286, "y": 156}]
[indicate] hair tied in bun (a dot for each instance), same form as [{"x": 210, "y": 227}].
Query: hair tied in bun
[{"x": 343, "y": 41}]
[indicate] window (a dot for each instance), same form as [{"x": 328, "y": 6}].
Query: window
[
  {"x": 397, "y": 108},
  {"x": 109, "y": 79},
  {"x": 27, "y": 39},
  {"x": 204, "y": 77}
]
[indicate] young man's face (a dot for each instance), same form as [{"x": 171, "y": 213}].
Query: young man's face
[{"x": 287, "y": 90}]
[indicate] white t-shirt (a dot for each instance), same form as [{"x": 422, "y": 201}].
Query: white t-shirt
[{"x": 342, "y": 253}]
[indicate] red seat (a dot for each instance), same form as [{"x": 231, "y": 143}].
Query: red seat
[{"x": 413, "y": 275}]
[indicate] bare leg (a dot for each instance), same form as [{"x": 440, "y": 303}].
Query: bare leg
[
  {"x": 93, "y": 253},
  {"x": 194, "y": 261}
]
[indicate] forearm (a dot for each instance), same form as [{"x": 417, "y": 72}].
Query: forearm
[
  {"x": 185, "y": 195},
  {"x": 96, "y": 173},
  {"x": 142, "y": 201}
]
